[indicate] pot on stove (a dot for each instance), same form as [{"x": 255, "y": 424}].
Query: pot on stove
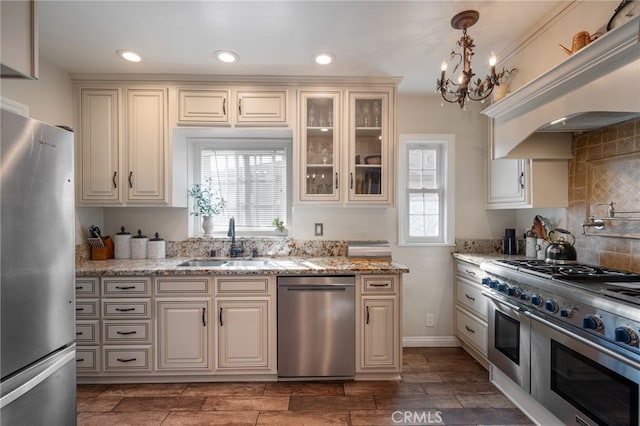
[{"x": 560, "y": 250}]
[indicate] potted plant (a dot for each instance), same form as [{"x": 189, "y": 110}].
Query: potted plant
[
  {"x": 207, "y": 203},
  {"x": 279, "y": 225},
  {"x": 502, "y": 77}
]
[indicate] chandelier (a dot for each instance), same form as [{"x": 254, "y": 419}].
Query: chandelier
[{"x": 466, "y": 88}]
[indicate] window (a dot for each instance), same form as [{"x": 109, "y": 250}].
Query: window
[
  {"x": 425, "y": 188},
  {"x": 253, "y": 176}
]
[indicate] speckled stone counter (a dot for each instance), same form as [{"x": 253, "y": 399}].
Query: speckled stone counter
[{"x": 276, "y": 265}]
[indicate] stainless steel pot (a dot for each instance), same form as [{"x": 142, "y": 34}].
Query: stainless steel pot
[{"x": 560, "y": 250}]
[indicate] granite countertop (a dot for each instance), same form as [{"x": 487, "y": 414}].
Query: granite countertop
[
  {"x": 276, "y": 265},
  {"x": 478, "y": 258}
]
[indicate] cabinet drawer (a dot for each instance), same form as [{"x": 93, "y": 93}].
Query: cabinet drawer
[
  {"x": 126, "y": 332},
  {"x": 470, "y": 271},
  {"x": 132, "y": 308},
  {"x": 470, "y": 296},
  {"x": 472, "y": 330},
  {"x": 379, "y": 284},
  {"x": 87, "y": 332},
  {"x": 127, "y": 358},
  {"x": 87, "y": 287},
  {"x": 182, "y": 286},
  {"x": 87, "y": 308},
  {"x": 126, "y": 287},
  {"x": 87, "y": 359},
  {"x": 242, "y": 285}
]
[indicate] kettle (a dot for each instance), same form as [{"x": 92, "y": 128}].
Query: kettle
[
  {"x": 559, "y": 250},
  {"x": 580, "y": 40}
]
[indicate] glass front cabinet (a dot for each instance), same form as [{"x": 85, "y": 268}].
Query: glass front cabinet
[{"x": 345, "y": 161}]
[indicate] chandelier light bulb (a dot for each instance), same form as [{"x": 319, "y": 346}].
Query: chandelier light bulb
[
  {"x": 493, "y": 60},
  {"x": 443, "y": 66}
]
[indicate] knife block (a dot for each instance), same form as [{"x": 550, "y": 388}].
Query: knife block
[{"x": 103, "y": 253}]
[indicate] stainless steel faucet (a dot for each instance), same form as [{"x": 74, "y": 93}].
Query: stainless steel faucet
[{"x": 234, "y": 251}]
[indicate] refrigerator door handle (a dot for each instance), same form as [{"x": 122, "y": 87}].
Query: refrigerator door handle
[{"x": 67, "y": 355}]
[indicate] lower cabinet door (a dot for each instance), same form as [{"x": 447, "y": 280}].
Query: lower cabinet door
[
  {"x": 183, "y": 334},
  {"x": 242, "y": 333},
  {"x": 379, "y": 334}
]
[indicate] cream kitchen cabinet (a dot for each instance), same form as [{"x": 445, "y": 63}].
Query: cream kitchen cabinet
[
  {"x": 123, "y": 145},
  {"x": 378, "y": 327},
  {"x": 346, "y": 146},
  {"x": 471, "y": 310},
  {"x": 232, "y": 107},
  {"x": 183, "y": 324},
  {"x": 246, "y": 325},
  {"x": 19, "y": 39},
  {"x": 87, "y": 326},
  {"x": 526, "y": 183}
]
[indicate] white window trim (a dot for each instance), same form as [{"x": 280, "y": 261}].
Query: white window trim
[{"x": 447, "y": 143}]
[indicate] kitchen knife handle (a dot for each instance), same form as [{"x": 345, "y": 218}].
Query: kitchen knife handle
[
  {"x": 204, "y": 317},
  {"x": 367, "y": 319},
  {"x": 130, "y": 179},
  {"x": 113, "y": 179},
  {"x": 220, "y": 316},
  {"x": 336, "y": 180}
]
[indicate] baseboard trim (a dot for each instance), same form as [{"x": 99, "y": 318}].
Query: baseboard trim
[{"x": 430, "y": 341}]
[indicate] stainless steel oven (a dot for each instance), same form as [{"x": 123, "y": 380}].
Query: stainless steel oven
[
  {"x": 581, "y": 381},
  {"x": 509, "y": 339}
]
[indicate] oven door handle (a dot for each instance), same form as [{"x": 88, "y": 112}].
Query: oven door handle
[
  {"x": 587, "y": 342},
  {"x": 497, "y": 299}
]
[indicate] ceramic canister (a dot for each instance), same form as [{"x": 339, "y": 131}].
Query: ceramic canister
[
  {"x": 530, "y": 248},
  {"x": 541, "y": 248},
  {"x": 122, "y": 244},
  {"x": 139, "y": 246},
  {"x": 156, "y": 248}
]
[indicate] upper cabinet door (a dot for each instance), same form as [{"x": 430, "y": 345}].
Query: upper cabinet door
[
  {"x": 369, "y": 148},
  {"x": 320, "y": 175},
  {"x": 99, "y": 177},
  {"x": 262, "y": 106},
  {"x": 147, "y": 145},
  {"x": 19, "y": 39},
  {"x": 197, "y": 106}
]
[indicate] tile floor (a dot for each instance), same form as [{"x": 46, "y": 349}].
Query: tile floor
[{"x": 438, "y": 386}]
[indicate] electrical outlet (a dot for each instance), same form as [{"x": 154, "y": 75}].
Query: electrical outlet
[
  {"x": 431, "y": 321},
  {"x": 318, "y": 229}
]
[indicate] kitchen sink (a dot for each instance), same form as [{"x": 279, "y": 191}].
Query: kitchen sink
[
  {"x": 225, "y": 263},
  {"x": 255, "y": 263},
  {"x": 203, "y": 263}
]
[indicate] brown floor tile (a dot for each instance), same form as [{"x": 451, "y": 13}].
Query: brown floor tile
[
  {"x": 485, "y": 401},
  {"x": 382, "y": 388},
  {"x": 105, "y": 403},
  {"x": 331, "y": 403},
  {"x": 303, "y": 388},
  {"x": 449, "y": 367},
  {"x": 90, "y": 391},
  {"x": 224, "y": 389},
  {"x": 421, "y": 378},
  {"x": 164, "y": 403},
  {"x": 153, "y": 418},
  {"x": 460, "y": 388},
  {"x": 146, "y": 389},
  {"x": 395, "y": 417},
  {"x": 203, "y": 418},
  {"x": 416, "y": 402},
  {"x": 467, "y": 376},
  {"x": 484, "y": 416},
  {"x": 303, "y": 418},
  {"x": 256, "y": 403}
]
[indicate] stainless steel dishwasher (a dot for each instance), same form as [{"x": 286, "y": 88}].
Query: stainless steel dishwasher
[{"x": 316, "y": 327}]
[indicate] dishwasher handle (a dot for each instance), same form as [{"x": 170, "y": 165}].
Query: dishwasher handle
[{"x": 313, "y": 287}]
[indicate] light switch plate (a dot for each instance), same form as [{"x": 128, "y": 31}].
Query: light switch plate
[{"x": 318, "y": 229}]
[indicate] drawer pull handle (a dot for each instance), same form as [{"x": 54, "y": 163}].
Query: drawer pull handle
[
  {"x": 221, "y": 323},
  {"x": 126, "y": 359},
  {"x": 379, "y": 285},
  {"x": 79, "y": 309},
  {"x": 79, "y": 359},
  {"x": 79, "y": 333},
  {"x": 471, "y": 330},
  {"x": 473, "y": 299},
  {"x": 79, "y": 287},
  {"x": 126, "y": 333},
  {"x": 125, "y": 287},
  {"x": 367, "y": 320},
  {"x": 125, "y": 309},
  {"x": 470, "y": 272}
]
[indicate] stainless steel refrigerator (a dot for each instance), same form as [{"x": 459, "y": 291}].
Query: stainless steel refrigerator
[{"x": 37, "y": 290}]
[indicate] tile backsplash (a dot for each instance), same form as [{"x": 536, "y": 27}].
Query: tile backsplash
[{"x": 606, "y": 167}]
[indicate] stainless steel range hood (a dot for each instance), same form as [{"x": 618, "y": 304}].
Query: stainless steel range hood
[{"x": 596, "y": 87}]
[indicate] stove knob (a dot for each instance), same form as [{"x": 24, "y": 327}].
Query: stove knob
[
  {"x": 592, "y": 322},
  {"x": 551, "y": 305},
  {"x": 493, "y": 284},
  {"x": 566, "y": 312},
  {"x": 513, "y": 291},
  {"x": 626, "y": 335},
  {"x": 485, "y": 281},
  {"x": 524, "y": 296},
  {"x": 536, "y": 300},
  {"x": 502, "y": 288}
]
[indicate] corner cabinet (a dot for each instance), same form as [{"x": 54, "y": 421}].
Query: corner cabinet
[
  {"x": 346, "y": 146},
  {"x": 514, "y": 183},
  {"x": 123, "y": 146}
]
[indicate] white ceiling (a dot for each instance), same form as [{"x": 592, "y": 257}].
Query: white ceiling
[{"x": 405, "y": 39}]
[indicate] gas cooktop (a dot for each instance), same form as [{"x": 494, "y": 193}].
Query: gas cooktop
[{"x": 574, "y": 272}]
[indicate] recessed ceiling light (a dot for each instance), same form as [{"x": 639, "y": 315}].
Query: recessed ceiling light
[
  {"x": 226, "y": 56},
  {"x": 128, "y": 55},
  {"x": 324, "y": 58}
]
